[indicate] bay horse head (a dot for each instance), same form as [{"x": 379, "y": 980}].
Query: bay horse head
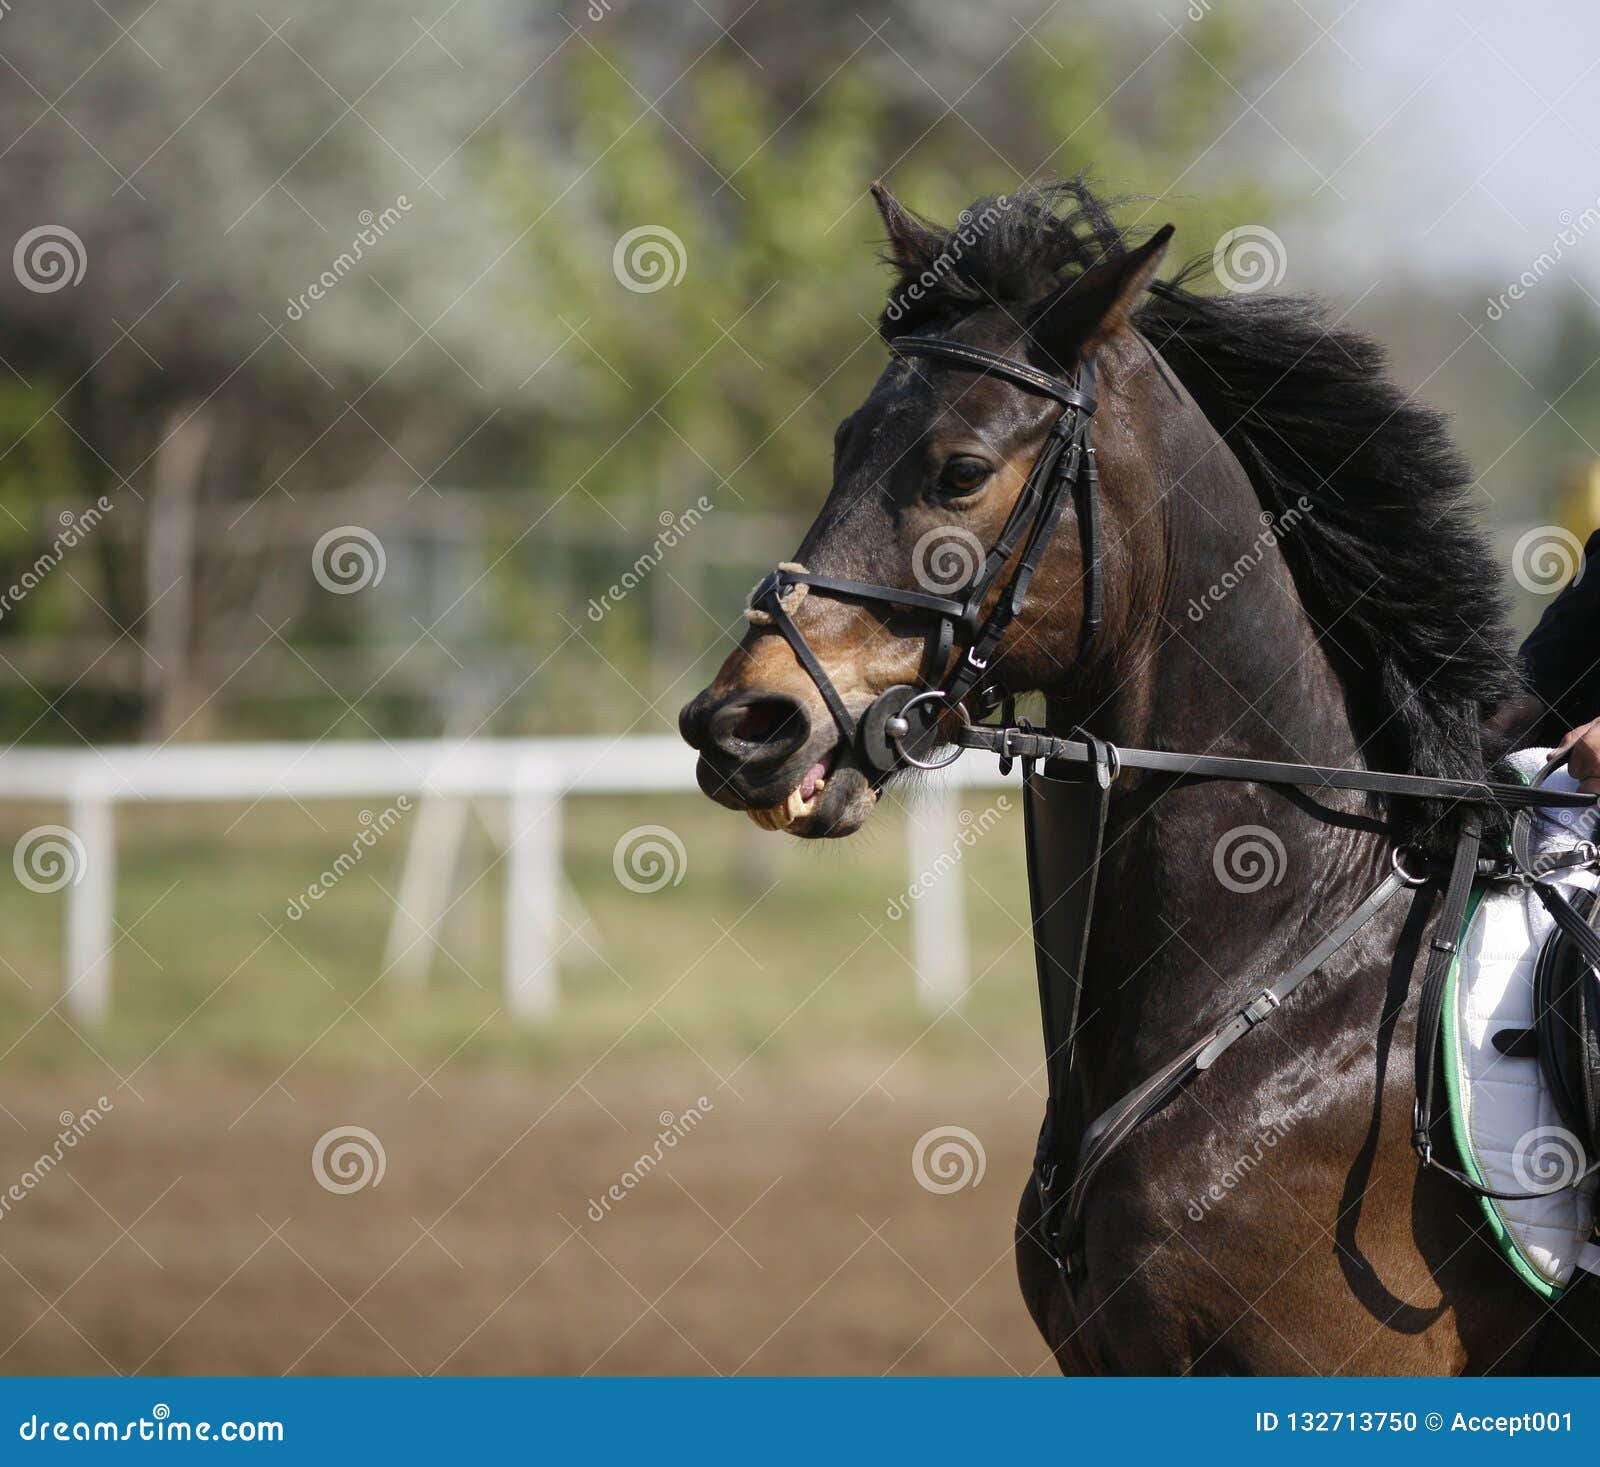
[{"x": 930, "y": 498}]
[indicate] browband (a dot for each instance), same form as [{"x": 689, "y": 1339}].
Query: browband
[{"x": 976, "y": 359}]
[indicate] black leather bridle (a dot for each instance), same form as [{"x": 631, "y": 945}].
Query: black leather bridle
[{"x": 902, "y": 725}]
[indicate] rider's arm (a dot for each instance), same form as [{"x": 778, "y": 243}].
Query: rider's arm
[{"x": 1561, "y": 661}]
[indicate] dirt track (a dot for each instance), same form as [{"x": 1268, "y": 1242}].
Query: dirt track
[{"x": 784, "y": 1234}]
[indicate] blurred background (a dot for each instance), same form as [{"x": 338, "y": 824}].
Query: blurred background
[{"x": 371, "y": 376}]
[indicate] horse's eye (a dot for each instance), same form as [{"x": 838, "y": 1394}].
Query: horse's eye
[{"x": 964, "y": 475}]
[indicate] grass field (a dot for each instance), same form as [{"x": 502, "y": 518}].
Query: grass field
[{"x": 767, "y": 948}]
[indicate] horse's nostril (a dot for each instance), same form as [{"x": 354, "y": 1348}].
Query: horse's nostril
[
  {"x": 761, "y": 721},
  {"x": 765, "y": 726}
]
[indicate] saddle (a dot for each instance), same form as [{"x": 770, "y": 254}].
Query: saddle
[
  {"x": 1520, "y": 1048},
  {"x": 1565, "y": 1034}
]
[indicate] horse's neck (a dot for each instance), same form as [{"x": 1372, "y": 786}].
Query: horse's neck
[{"x": 1179, "y": 938}]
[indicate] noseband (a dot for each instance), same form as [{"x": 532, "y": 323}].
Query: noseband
[{"x": 901, "y": 725}]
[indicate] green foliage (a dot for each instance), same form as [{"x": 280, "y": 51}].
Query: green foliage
[
  {"x": 41, "y": 479},
  {"x": 730, "y": 382},
  {"x": 743, "y": 368}
]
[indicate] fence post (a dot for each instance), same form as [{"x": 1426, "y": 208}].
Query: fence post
[
  {"x": 533, "y": 893},
  {"x": 938, "y": 911},
  {"x": 91, "y": 911},
  {"x": 425, "y": 884}
]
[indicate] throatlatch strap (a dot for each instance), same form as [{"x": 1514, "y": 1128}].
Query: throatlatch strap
[{"x": 1089, "y": 522}]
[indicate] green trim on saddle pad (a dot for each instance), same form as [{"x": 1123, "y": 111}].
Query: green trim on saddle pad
[{"x": 1453, "y": 1069}]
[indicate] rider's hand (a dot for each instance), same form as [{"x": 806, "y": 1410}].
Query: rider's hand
[{"x": 1585, "y": 763}]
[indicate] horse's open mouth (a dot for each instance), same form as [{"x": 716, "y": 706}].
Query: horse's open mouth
[
  {"x": 801, "y": 802},
  {"x": 831, "y": 799}
]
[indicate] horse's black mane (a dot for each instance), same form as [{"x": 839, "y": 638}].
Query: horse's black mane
[{"x": 1390, "y": 564}]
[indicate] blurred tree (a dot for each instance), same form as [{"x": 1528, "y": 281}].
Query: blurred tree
[
  {"x": 320, "y": 270},
  {"x": 728, "y": 379}
]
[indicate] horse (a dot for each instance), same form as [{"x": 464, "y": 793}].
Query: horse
[{"x": 1288, "y": 569}]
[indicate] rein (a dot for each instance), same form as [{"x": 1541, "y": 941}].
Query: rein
[{"x": 901, "y": 728}]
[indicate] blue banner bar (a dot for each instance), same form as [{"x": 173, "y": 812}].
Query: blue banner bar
[{"x": 824, "y": 1422}]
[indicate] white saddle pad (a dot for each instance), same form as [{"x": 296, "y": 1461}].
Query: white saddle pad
[{"x": 1504, "y": 1119}]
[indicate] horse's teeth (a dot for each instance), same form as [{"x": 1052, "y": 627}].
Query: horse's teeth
[{"x": 780, "y": 817}]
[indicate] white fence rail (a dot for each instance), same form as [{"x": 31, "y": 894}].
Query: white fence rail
[{"x": 534, "y": 777}]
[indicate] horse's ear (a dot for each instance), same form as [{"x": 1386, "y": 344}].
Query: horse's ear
[
  {"x": 912, "y": 242},
  {"x": 1094, "y": 306}
]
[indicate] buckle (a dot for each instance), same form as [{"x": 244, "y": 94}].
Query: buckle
[
  {"x": 1260, "y": 1006},
  {"x": 1421, "y": 1140}
]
